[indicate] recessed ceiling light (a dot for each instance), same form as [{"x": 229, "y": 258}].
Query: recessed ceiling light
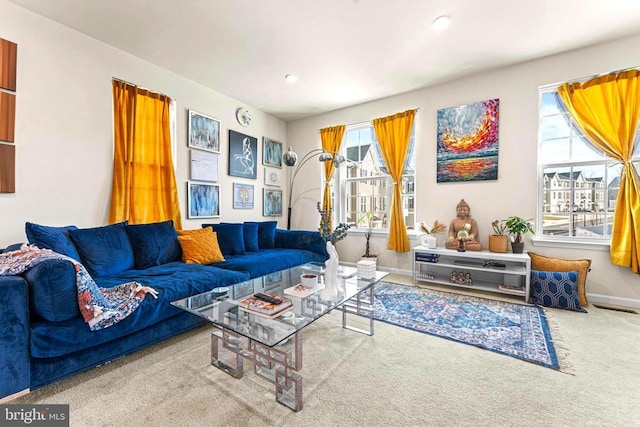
[
  {"x": 440, "y": 23},
  {"x": 291, "y": 78}
]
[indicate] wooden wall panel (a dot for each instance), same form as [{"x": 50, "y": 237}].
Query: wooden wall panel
[
  {"x": 7, "y": 168},
  {"x": 8, "y": 64},
  {"x": 7, "y": 116}
]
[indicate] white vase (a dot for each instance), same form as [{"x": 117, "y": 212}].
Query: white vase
[{"x": 330, "y": 290}]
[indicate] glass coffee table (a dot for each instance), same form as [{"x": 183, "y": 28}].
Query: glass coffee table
[{"x": 274, "y": 343}]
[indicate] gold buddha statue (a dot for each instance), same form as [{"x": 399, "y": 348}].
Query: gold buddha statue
[{"x": 463, "y": 231}]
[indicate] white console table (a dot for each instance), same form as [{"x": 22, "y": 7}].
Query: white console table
[{"x": 473, "y": 270}]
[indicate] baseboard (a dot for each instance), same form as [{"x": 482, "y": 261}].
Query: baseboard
[
  {"x": 607, "y": 300},
  {"x": 14, "y": 396}
]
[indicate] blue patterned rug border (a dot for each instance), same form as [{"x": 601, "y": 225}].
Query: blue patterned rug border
[{"x": 555, "y": 363}]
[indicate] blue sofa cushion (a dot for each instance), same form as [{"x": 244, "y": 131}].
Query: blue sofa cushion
[
  {"x": 266, "y": 234},
  {"x": 173, "y": 281},
  {"x": 154, "y": 244},
  {"x": 230, "y": 238},
  {"x": 556, "y": 289},
  {"x": 267, "y": 261},
  {"x": 251, "y": 243},
  {"x": 104, "y": 251},
  {"x": 53, "y": 292},
  {"x": 301, "y": 239},
  {"x": 54, "y": 238}
]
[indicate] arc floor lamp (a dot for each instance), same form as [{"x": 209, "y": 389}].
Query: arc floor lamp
[{"x": 290, "y": 159}]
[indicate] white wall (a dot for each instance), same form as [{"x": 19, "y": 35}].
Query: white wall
[
  {"x": 64, "y": 127},
  {"x": 514, "y": 193}
]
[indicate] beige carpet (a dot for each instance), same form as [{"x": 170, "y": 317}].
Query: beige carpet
[{"x": 397, "y": 377}]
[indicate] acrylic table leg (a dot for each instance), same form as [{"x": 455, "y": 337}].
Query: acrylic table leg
[{"x": 225, "y": 346}]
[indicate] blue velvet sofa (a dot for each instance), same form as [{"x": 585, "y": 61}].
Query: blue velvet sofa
[{"x": 44, "y": 338}]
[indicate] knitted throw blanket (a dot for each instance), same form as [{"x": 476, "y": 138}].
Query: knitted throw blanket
[{"x": 100, "y": 307}]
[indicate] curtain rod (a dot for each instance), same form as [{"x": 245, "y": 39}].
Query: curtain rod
[
  {"x": 143, "y": 88},
  {"x": 368, "y": 121}
]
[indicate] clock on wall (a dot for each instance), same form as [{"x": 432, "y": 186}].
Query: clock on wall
[{"x": 243, "y": 116}]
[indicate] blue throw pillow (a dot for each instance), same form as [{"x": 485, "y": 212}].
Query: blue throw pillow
[
  {"x": 104, "y": 251},
  {"x": 154, "y": 244},
  {"x": 556, "y": 289},
  {"x": 250, "y": 234},
  {"x": 266, "y": 234},
  {"x": 54, "y": 238},
  {"x": 230, "y": 238}
]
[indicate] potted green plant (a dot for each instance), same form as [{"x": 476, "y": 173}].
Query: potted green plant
[
  {"x": 499, "y": 241},
  {"x": 517, "y": 228}
]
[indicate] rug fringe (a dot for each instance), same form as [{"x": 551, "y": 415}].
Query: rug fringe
[{"x": 562, "y": 351}]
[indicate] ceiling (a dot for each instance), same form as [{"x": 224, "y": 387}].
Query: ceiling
[{"x": 345, "y": 52}]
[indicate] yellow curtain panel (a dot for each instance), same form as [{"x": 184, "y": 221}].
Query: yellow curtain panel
[
  {"x": 607, "y": 110},
  {"x": 144, "y": 185},
  {"x": 394, "y": 135},
  {"x": 331, "y": 140}
]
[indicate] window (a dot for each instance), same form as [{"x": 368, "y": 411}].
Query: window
[
  {"x": 366, "y": 186},
  {"x": 577, "y": 184}
]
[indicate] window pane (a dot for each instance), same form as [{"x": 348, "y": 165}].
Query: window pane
[
  {"x": 554, "y": 127},
  {"x": 554, "y": 150},
  {"x": 549, "y": 104}
]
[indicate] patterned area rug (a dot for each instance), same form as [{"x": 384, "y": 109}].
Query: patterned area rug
[{"x": 516, "y": 330}]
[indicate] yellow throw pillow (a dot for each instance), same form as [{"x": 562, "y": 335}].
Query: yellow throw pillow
[
  {"x": 543, "y": 263},
  {"x": 200, "y": 246}
]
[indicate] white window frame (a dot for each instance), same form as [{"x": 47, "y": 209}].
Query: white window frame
[
  {"x": 341, "y": 180},
  {"x": 567, "y": 191}
]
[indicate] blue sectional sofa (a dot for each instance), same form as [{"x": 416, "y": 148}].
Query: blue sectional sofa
[{"x": 45, "y": 339}]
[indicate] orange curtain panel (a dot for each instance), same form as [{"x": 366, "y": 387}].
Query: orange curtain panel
[
  {"x": 331, "y": 140},
  {"x": 394, "y": 135},
  {"x": 144, "y": 185},
  {"x": 607, "y": 110}
]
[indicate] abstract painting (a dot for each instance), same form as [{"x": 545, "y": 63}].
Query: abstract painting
[
  {"x": 243, "y": 150},
  {"x": 204, "y": 166},
  {"x": 468, "y": 142},
  {"x": 203, "y": 200},
  {"x": 271, "y": 202},
  {"x": 204, "y": 132},
  {"x": 242, "y": 196},
  {"x": 271, "y": 152}
]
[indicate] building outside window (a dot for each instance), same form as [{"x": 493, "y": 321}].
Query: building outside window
[
  {"x": 365, "y": 185},
  {"x": 577, "y": 184}
]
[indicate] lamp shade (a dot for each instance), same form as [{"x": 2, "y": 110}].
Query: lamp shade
[{"x": 290, "y": 157}]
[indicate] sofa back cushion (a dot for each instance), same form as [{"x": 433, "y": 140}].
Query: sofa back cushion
[
  {"x": 154, "y": 244},
  {"x": 266, "y": 234},
  {"x": 230, "y": 237},
  {"x": 55, "y": 238},
  {"x": 53, "y": 292},
  {"x": 251, "y": 242},
  {"x": 200, "y": 246},
  {"x": 104, "y": 251}
]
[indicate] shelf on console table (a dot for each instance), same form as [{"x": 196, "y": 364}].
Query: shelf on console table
[{"x": 513, "y": 279}]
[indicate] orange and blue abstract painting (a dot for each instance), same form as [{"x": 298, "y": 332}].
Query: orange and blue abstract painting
[{"x": 468, "y": 142}]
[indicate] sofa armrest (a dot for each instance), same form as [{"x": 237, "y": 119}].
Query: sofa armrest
[
  {"x": 14, "y": 339},
  {"x": 301, "y": 239}
]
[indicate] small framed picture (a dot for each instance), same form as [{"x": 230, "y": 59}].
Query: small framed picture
[
  {"x": 273, "y": 176},
  {"x": 204, "y": 166},
  {"x": 242, "y": 196},
  {"x": 271, "y": 202},
  {"x": 204, "y": 132},
  {"x": 271, "y": 152},
  {"x": 203, "y": 200},
  {"x": 243, "y": 152}
]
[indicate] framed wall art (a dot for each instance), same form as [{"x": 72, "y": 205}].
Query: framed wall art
[
  {"x": 468, "y": 142},
  {"x": 243, "y": 150},
  {"x": 204, "y": 166},
  {"x": 242, "y": 196},
  {"x": 273, "y": 176},
  {"x": 271, "y": 152},
  {"x": 203, "y": 200},
  {"x": 204, "y": 132},
  {"x": 271, "y": 202}
]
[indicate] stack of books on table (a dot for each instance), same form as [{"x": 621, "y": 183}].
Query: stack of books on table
[{"x": 265, "y": 303}]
